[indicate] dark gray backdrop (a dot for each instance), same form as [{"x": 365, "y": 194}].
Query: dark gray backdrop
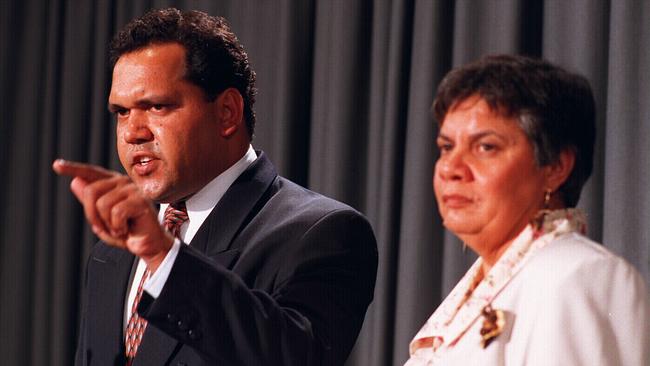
[{"x": 345, "y": 92}]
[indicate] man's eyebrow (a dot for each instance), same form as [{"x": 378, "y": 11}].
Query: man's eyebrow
[
  {"x": 443, "y": 137},
  {"x": 144, "y": 102},
  {"x": 112, "y": 107}
]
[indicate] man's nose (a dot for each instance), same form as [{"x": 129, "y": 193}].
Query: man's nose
[{"x": 137, "y": 128}]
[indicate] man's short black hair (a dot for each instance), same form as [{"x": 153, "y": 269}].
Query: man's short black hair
[
  {"x": 215, "y": 59},
  {"x": 555, "y": 108}
]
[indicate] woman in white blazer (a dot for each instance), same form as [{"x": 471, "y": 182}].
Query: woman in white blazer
[{"x": 516, "y": 140}]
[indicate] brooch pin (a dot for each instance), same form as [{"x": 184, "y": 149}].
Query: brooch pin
[{"x": 493, "y": 325}]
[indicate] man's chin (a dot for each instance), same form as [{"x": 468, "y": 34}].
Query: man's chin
[{"x": 152, "y": 190}]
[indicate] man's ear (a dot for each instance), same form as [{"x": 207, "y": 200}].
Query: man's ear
[
  {"x": 558, "y": 172},
  {"x": 230, "y": 111}
]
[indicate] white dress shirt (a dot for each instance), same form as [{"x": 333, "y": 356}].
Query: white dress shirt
[{"x": 199, "y": 207}]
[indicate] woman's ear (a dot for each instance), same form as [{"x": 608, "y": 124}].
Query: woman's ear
[
  {"x": 230, "y": 111},
  {"x": 558, "y": 172}
]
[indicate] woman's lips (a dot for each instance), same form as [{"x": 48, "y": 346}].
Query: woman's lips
[{"x": 456, "y": 201}]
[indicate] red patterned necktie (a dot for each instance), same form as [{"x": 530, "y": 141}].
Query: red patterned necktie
[
  {"x": 175, "y": 216},
  {"x": 136, "y": 325}
]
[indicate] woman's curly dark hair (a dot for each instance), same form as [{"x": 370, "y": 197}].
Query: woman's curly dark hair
[{"x": 555, "y": 108}]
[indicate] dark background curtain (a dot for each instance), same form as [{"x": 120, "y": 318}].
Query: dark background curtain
[{"x": 343, "y": 108}]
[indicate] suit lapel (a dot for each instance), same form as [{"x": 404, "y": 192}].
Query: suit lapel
[
  {"x": 236, "y": 208},
  {"x": 233, "y": 211}
]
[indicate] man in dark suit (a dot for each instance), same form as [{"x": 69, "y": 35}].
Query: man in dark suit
[{"x": 274, "y": 274}]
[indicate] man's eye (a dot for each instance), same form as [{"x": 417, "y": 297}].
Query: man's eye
[
  {"x": 158, "y": 107},
  {"x": 445, "y": 147},
  {"x": 122, "y": 112}
]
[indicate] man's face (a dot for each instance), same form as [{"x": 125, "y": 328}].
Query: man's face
[{"x": 168, "y": 136}]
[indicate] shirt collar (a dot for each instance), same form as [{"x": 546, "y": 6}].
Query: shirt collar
[{"x": 203, "y": 202}]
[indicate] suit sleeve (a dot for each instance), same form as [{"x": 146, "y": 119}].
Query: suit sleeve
[
  {"x": 311, "y": 316},
  {"x": 598, "y": 315}
]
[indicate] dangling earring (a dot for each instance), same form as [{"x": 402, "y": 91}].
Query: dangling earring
[{"x": 547, "y": 198}]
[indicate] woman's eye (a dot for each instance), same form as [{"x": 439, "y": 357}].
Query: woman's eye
[{"x": 486, "y": 147}]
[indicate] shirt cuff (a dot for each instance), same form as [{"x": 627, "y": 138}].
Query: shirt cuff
[{"x": 155, "y": 283}]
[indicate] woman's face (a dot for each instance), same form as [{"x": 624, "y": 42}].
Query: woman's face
[{"x": 487, "y": 183}]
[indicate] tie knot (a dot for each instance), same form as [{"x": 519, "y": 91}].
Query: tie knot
[{"x": 175, "y": 216}]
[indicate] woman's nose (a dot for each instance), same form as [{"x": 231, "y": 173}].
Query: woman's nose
[
  {"x": 453, "y": 166},
  {"x": 137, "y": 130}
]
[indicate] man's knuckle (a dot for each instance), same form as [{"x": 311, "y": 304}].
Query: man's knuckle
[
  {"x": 118, "y": 212},
  {"x": 89, "y": 193}
]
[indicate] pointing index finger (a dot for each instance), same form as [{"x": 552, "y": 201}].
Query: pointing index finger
[{"x": 87, "y": 172}]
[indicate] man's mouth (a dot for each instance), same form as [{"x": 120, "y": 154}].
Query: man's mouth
[
  {"x": 144, "y": 164},
  {"x": 143, "y": 160}
]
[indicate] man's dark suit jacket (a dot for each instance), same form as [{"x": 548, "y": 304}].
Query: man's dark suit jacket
[{"x": 276, "y": 275}]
